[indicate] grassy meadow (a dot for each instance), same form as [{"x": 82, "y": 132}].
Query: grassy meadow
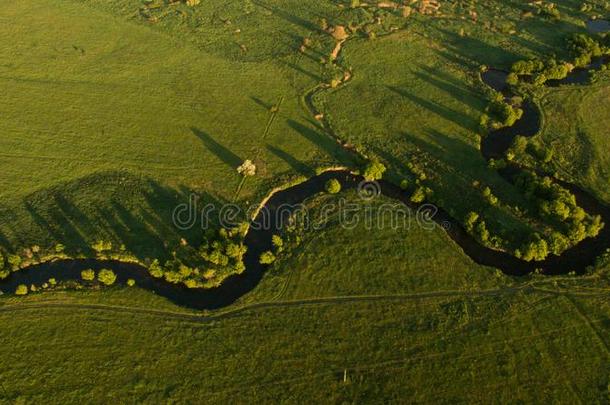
[
  {"x": 116, "y": 111},
  {"x": 376, "y": 332},
  {"x": 91, "y": 97},
  {"x": 576, "y": 129}
]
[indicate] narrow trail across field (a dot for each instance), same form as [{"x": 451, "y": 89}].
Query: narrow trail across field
[{"x": 528, "y": 288}]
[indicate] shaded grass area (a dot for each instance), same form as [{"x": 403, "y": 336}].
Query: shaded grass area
[
  {"x": 576, "y": 129},
  {"x": 127, "y": 210}
]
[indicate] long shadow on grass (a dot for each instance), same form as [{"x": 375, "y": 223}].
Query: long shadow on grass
[
  {"x": 294, "y": 163},
  {"x": 117, "y": 207},
  {"x": 317, "y": 137},
  {"x": 473, "y": 51},
  {"x": 452, "y": 86},
  {"x": 447, "y": 113},
  {"x": 291, "y": 18},
  {"x": 223, "y": 153}
]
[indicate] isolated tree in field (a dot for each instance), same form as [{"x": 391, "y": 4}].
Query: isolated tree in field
[
  {"x": 21, "y": 289},
  {"x": 247, "y": 168},
  {"x": 332, "y": 186},
  {"x": 267, "y": 257},
  {"x": 87, "y": 275},
  {"x": 106, "y": 277},
  {"x": 374, "y": 170}
]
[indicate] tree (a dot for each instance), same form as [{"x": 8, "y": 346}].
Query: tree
[
  {"x": 558, "y": 243},
  {"x": 87, "y": 275},
  {"x": 512, "y": 79},
  {"x": 14, "y": 261},
  {"x": 491, "y": 199},
  {"x": 537, "y": 250},
  {"x": 155, "y": 269},
  {"x": 278, "y": 243},
  {"x": 332, "y": 186},
  {"x": 470, "y": 221},
  {"x": 22, "y": 289},
  {"x": 106, "y": 277},
  {"x": 374, "y": 170},
  {"x": 267, "y": 257},
  {"x": 131, "y": 282},
  {"x": 419, "y": 195},
  {"x": 247, "y": 169}
]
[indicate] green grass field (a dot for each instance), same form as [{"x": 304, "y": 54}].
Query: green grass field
[
  {"x": 326, "y": 326},
  {"x": 91, "y": 96},
  {"x": 576, "y": 129},
  {"x": 174, "y": 98},
  {"x": 114, "y": 112}
]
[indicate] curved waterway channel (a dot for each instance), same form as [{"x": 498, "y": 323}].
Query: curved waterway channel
[{"x": 258, "y": 239}]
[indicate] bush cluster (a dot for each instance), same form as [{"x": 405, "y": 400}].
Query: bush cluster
[{"x": 220, "y": 255}]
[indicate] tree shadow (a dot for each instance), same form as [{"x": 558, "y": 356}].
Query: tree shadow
[
  {"x": 267, "y": 106},
  {"x": 128, "y": 210},
  {"x": 450, "y": 85},
  {"x": 294, "y": 163},
  {"x": 291, "y": 18},
  {"x": 317, "y": 137},
  {"x": 457, "y": 117},
  {"x": 221, "y": 152}
]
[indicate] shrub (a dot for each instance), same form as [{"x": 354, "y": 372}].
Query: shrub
[
  {"x": 52, "y": 281},
  {"x": 155, "y": 269},
  {"x": 22, "y": 289},
  {"x": 332, "y": 186},
  {"x": 404, "y": 184},
  {"x": 131, "y": 282},
  {"x": 419, "y": 195},
  {"x": 512, "y": 79},
  {"x": 14, "y": 261},
  {"x": 470, "y": 221},
  {"x": 527, "y": 67},
  {"x": 277, "y": 242},
  {"x": 87, "y": 275},
  {"x": 488, "y": 195},
  {"x": 267, "y": 257},
  {"x": 481, "y": 232},
  {"x": 106, "y": 277},
  {"x": 536, "y": 250},
  {"x": 374, "y": 170},
  {"x": 101, "y": 246}
]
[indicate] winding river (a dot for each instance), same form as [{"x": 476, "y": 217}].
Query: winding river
[{"x": 258, "y": 239}]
